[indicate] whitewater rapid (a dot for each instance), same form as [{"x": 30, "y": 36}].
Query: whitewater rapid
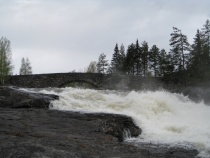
[{"x": 163, "y": 116}]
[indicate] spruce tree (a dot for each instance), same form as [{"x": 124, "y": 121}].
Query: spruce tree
[
  {"x": 163, "y": 63},
  {"x": 198, "y": 63},
  {"x": 206, "y": 34},
  {"x": 122, "y": 58},
  {"x": 144, "y": 58},
  {"x": 115, "y": 62},
  {"x": 138, "y": 58},
  {"x": 129, "y": 60},
  {"x": 5, "y": 60},
  {"x": 170, "y": 63},
  {"x": 206, "y": 49}
]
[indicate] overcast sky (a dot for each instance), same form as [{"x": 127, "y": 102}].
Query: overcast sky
[{"x": 63, "y": 35}]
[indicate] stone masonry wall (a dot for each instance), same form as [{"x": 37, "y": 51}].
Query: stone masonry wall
[
  {"x": 101, "y": 81},
  {"x": 55, "y": 79}
]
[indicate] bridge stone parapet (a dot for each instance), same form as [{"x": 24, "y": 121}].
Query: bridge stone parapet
[
  {"x": 97, "y": 80},
  {"x": 55, "y": 79}
]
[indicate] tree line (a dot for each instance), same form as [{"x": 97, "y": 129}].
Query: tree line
[{"x": 184, "y": 62}]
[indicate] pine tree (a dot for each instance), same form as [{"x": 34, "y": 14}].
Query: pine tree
[
  {"x": 25, "y": 68},
  {"x": 179, "y": 45},
  {"x": 154, "y": 59},
  {"x": 5, "y": 60},
  {"x": 102, "y": 64}
]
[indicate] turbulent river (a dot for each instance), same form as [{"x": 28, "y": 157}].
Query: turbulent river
[{"x": 165, "y": 118}]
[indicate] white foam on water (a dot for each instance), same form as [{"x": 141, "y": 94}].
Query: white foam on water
[{"x": 164, "y": 117}]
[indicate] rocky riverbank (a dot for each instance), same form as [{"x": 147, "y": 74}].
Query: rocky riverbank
[{"x": 29, "y": 129}]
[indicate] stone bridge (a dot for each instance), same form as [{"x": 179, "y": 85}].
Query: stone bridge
[
  {"x": 96, "y": 80},
  {"x": 56, "y": 79}
]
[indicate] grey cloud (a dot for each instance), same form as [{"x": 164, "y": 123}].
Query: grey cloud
[{"x": 67, "y": 31}]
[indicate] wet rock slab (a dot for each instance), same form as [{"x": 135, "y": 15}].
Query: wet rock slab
[
  {"x": 33, "y": 131},
  {"x": 48, "y": 133}
]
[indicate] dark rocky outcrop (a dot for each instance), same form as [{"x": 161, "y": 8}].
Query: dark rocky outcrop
[
  {"x": 14, "y": 97},
  {"x": 51, "y": 133},
  {"x": 39, "y": 132},
  {"x": 114, "y": 125}
]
